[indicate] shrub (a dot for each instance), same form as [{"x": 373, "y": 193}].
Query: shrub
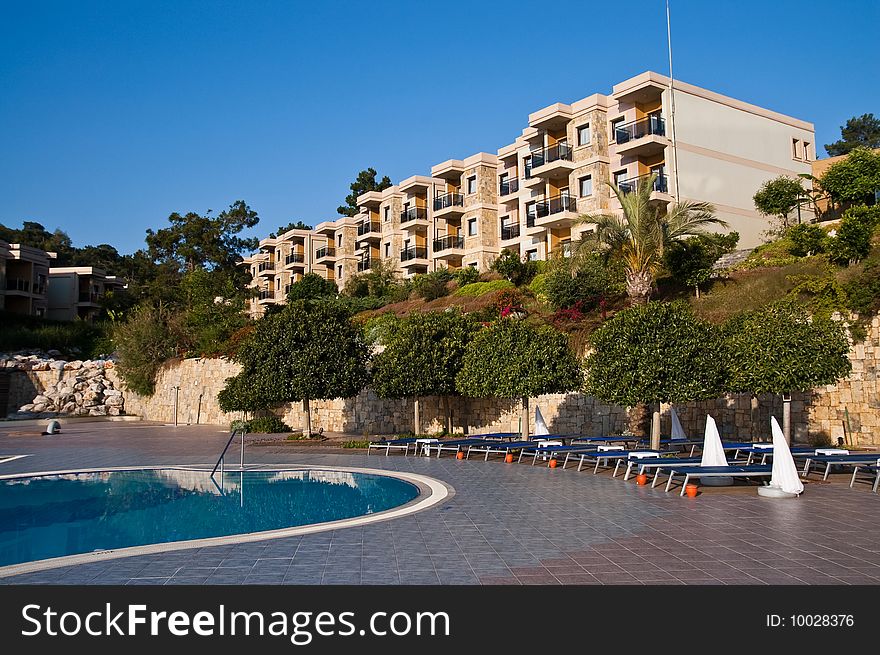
[
  {"x": 863, "y": 293},
  {"x": 855, "y": 178},
  {"x": 149, "y": 337},
  {"x": 807, "y": 240},
  {"x": 268, "y": 424},
  {"x": 481, "y": 288},
  {"x": 311, "y": 287},
  {"x": 593, "y": 279},
  {"x": 79, "y": 338},
  {"x": 433, "y": 285},
  {"x": 508, "y": 301},
  {"x": 538, "y": 286},
  {"x": 515, "y": 269},
  {"x": 465, "y": 275},
  {"x": 356, "y": 443},
  {"x": 853, "y": 239}
]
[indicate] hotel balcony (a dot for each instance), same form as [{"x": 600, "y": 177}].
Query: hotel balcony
[
  {"x": 508, "y": 187},
  {"x": 532, "y": 227},
  {"x": 558, "y": 211},
  {"x": 364, "y": 265},
  {"x": 267, "y": 297},
  {"x": 18, "y": 284},
  {"x": 644, "y": 137},
  {"x": 87, "y": 297},
  {"x": 266, "y": 268},
  {"x": 325, "y": 255},
  {"x": 450, "y": 246},
  {"x": 414, "y": 256},
  {"x": 509, "y": 232},
  {"x": 552, "y": 161},
  {"x": 369, "y": 230},
  {"x": 448, "y": 204},
  {"x": 414, "y": 217},
  {"x": 659, "y": 191},
  {"x": 294, "y": 259}
]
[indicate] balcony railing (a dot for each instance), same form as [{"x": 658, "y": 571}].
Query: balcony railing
[
  {"x": 555, "y": 205},
  {"x": 413, "y": 252},
  {"x": 530, "y": 219},
  {"x": 448, "y": 242},
  {"x": 549, "y": 154},
  {"x": 364, "y": 265},
  {"x": 510, "y": 231},
  {"x": 18, "y": 284},
  {"x": 448, "y": 200},
  {"x": 326, "y": 251},
  {"x": 630, "y": 185},
  {"x": 85, "y": 296},
  {"x": 643, "y": 127},
  {"x": 413, "y": 214},
  {"x": 294, "y": 258},
  {"x": 266, "y": 266},
  {"x": 508, "y": 186},
  {"x": 265, "y": 295},
  {"x": 366, "y": 228}
]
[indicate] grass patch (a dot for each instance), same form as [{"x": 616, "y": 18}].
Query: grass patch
[{"x": 356, "y": 443}]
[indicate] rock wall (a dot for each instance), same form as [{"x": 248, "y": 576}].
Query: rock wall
[{"x": 42, "y": 387}]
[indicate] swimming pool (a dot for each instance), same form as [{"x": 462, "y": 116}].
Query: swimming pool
[{"x": 50, "y": 516}]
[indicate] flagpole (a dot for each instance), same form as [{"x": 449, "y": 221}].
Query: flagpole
[{"x": 672, "y": 103}]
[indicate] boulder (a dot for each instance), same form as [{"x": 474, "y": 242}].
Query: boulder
[
  {"x": 57, "y": 365},
  {"x": 26, "y": 408},
  {"x": 114, "y": 401},
  {"x": 109, "y": 393},
  {"x": 100, "y": 410},
  {"x": 39, "y": 407},
  {"x": 73, "y": 366},
  {"x": 69, "y": 408},
  {"x": 114, "y": 411},
  {"x": 97, "y": 387},
  {"x": 40, "y": 400}
]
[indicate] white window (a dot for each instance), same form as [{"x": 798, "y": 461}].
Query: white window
[
  {"x": 472, "y": 227},
  {"x": 387, "y": 214},
  {"x": 616, "y": 123},
  {"x": 619, "y": 176},
  {"x": 806, "y": 151},
  {"x": 585, "y": 185},
  {"x": 472, "y": 184},
  {"x": 795, "y": 149},
  {"x": 584, "y": 134}
]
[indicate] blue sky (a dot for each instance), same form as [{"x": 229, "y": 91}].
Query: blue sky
[{"x": 115, "y": 114}]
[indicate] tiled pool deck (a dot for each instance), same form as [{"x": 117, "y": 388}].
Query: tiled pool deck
[{"x": 506, "y": 524}]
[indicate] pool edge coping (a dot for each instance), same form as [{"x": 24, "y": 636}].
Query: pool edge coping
[{"x": 432, "y": 492}]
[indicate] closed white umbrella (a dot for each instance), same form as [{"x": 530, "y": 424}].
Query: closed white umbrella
[
  {"x": 677, "y": 430},
  {"x": 540, "y": 425},
  {"x": 785, "y": 478},
  {"x": 713, "y": 455}
]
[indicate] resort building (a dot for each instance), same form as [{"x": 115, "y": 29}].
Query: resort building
[
  {"x": 77, "y": 291},
  {"x": 528, "y": 195},
  {"x": 25, "y": 279}
]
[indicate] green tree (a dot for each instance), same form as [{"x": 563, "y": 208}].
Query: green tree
[
  {"x": 690, "y": 260},
  {"x": 310, "y": 350},
  {"x": 655, "y": 353},
  {"x": 779, "y": 197},
  {"x": 513, "y": 268},
  {"x": 213, "y": 311},
  {"x": 511, "y": 359},
  {"x": 103, "y": 256},
  {"x": 639, "y": 236},
  {"x": 33, "y": 234},
  {"x": 852, "y": 241},
  {"x": 854, "y": 179},
  {"x": 859, "y": 131},
  {"x": 422, "y": 356},
  {"x": 807, "y": 240},
  {"x": 148, "y": 337},
  {"x": 365, "y": 181},
  {"x": 312, "y": 287},
  {"x": 212, "y": 242},
  {"x": 297, "y": 225},
  {"x": 780, "y": 349}
]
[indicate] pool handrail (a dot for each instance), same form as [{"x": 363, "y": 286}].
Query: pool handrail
[{"x": 219, "y": 463}]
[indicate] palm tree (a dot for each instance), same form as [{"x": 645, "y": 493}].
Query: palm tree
[{"x": 640, "y": 233}]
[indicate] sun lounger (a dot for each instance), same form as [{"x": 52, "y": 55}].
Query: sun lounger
[
  {"x": 501, "y": 448},
  {"x": 604, "y": 457},
  {"x": 829, "y": 460},
  {"x": 689, "y": 472},
  {"x": 625, "y": 440},
  {"x": 554, "y": 452},
  {"x": 393, "y": 444},
  {"x": 752, "y": 452},
  {"x": 456, "y": 445},
  {"x": 656, "y": 463},
  {"x": 668, "y": 444},
  {"x": 870, "y": 469}
]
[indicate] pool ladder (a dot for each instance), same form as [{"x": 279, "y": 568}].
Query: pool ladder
[{"x": 221, "y": 460}]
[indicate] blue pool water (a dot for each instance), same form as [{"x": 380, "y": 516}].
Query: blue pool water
[{"x": 51, "y": 516}]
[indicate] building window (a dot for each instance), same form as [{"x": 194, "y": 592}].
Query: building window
[
  {"x": 473, "y": 264},
  {"x": 387, "y": 214},
  {"x": 339, "y": 271},
  {"x": 472, "y": 184},
  {"x": 586, "y": 186},
  {"x": 472, "y": 227},
  {"x": 339, "y": 240},
  {"x": 615, "y": 124},
  {"x": 618, "y": 177},
  {"x": 795, "y": 149},
  {"x": 584, "y": 135},
  {"x": 532, "y": 255},
  {"x": 527, "y": 166},
  {"x": 806, "y": 151},
  {"x": 388, "y": 250}
]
